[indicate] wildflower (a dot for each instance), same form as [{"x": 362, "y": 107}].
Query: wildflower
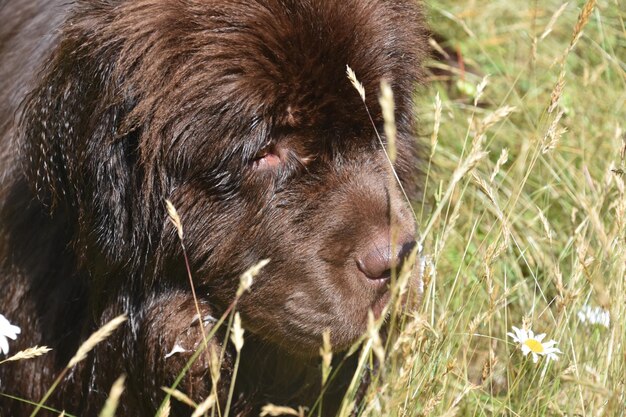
[
  {"x": 529, "y": 343},
  {"x": 7, "y": 330},
  {"x": 596, "y": 315}
]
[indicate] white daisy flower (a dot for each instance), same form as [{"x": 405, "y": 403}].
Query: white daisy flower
[
  {"x": 596, "y": 315},
  {"x": 7, "y": 331},
  {"x": 529, "y": 343}
]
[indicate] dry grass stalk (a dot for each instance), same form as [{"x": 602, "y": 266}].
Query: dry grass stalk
[
  {"x": 180, "y": 396},
  {"x": 374, "y": 336},
  {"x": 485, "y": 188},
  {"x": 557, "y": 92},
  {"x": 174, "y": 218},
  {"x": 434, "y": 139},
  {"x": 468, "y": 165},
  {"x": 355, "y": 82},
  {"x": 495, "y": 117},
  {"x": 475, "y": 156},
  {"x": 490, "y": 284},
  {"x": 214, "y": 365},
  {"x": 619, "y": 183},
  {"x": 388, "y": 108},
  {"x": 468, "y": 388},
  {"x": 165, "y": 409},
  {"x": 247, "y": 278},
  {"x": 620, "y": 134},
  {"x": 496, "y": 249},
  {"x": 29, "y": 353},
  {"x": 564, "y": 298},
  {"x": 583, "y": 19},
  {"x": 432, "y": 403},
  {"x": 361, "y": 90},
  {"x": 620, "y": 212},
  {"x": 413, "y": 332},
  {"x": 449, "y": 227},
  {"x": 374, "y": 406},
  {"x": 348, "y": 409},
  {"x": 111, "y": 403},
  {"x": 553, "y": 20},
  {"x": 488, "y": 191},
  {"x": 275, "y": 410},
  {"x": 503, "y": 159},
  {"x": 326, "y": 353},
  {"x": 480, "y": 89},
  {"x": 451, "y": 412},
  {"x": 99, "y": 336},
  {"x": 435, "y": 45},
  {"x": 488, "y": 366},
  {"x": 204, "y": 406},
  {"x": 546, "y": 225},
  {"x": 553, "y": 135},
  {"x": 476, "y": 321},
  {"x": 237, "y": 333}
]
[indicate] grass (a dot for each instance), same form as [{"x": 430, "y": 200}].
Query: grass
[
  {"x": 524, "y": 215},
  {"x": 531, "y": 240}
]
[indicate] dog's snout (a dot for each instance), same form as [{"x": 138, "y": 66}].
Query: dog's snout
[{"x": 382, "y": 255}]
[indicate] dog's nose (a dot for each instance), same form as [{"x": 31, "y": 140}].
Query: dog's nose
[{"x": 381, "y": 256}]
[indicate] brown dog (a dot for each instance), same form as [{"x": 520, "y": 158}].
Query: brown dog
[{"x": 240, "y": 113}]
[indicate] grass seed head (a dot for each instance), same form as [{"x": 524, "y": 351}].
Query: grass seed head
[
  {"x": 355, "y": 82},
  {"x": 112, "y": 401},
  {"x": 180, "y": 396},
  {"x": 326, "y": 353},
  {"x": 247, "y": 278},
  {"x": 166, "y": 409},
  {"x": 434, "y": 139},
  {"x": 553, "y": 20},
  {"x": 204, "y": 406},
  {"x": 276, "y": 410},
  {"x": 504, "y": 157},
  {"x": 174, "y": 218},
  {"x": 237, "y": 333},
  {"x": 97, "y": 337},
  {"x": 388, "y": 108},
  {"x": 29, "y": 353}
]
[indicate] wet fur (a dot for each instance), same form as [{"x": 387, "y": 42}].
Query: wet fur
[{"x": 108, "y": 107}]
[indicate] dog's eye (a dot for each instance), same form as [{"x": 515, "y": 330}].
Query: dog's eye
[{"x": 267, "y": 158}]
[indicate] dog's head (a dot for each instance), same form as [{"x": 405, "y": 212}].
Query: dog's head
[{"x": 242, "y": 115}]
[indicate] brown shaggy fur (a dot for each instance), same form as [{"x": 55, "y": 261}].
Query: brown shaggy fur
[{"x": 240, "y": 113}]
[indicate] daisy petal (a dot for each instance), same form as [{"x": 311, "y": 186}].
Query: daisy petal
[{"x": 4, "y": 345}]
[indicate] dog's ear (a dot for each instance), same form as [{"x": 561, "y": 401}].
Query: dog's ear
[{"x": 75, "y": 154}]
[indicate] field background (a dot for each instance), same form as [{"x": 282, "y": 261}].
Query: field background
[
  {"x": 530, "y": 240},
  {"x": 523, "y": 220}
]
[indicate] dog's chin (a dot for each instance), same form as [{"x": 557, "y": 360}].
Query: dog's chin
[
  {"x": 302, "y": 333},
  {"x": 344, "y": 337}
]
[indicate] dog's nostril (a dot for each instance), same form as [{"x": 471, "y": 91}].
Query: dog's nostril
[{"x": 380, "y": 257}]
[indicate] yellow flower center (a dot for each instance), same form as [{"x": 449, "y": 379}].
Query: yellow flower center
[{"x": 534, "y": 345}]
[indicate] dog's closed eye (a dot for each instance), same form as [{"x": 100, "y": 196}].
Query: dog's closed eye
[{"x": 267, "y": 158}]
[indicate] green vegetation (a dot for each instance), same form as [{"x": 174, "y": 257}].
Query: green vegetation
[
  {"x": 524, "y": 221},
  {"x": 531, "y": 240}
]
